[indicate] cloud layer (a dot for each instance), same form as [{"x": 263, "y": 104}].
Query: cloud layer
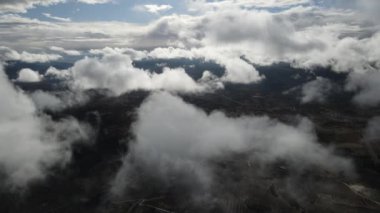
[
  {"x": 251, "y": 34},
  {"x": 10, "y": 54}
]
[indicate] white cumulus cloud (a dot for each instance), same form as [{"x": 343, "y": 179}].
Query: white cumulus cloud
[
  {"x": 117, "y": 73},
  {"x": 28, "y": 75}
]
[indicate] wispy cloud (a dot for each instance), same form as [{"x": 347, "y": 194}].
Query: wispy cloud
[
  {"x": 64, "y": 51},
  {"x": 7, "y": 53},
  {"x": 48, "y": 15},
  {"x": 21, "y": 6},
  {"x": 94, "y": 1},
  {"x": 153, "y": 8}
]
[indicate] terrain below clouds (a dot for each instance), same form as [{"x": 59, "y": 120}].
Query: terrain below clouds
[{"x": 237, "y": 148}]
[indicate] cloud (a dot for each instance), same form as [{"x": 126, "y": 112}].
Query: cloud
[
  {"x": 31, "y": 142},
  {"x": 366, "y": 84},
  {"x": 58, "y": 74},
  {"x": 21, "y": 6},
  {"x": 28, "y": 75},
  {"x": 69, "y": 35},
  {"x": 10, "y": 54},
  {"x": 372, "y": 131},
  {"x": 237, "y": 70},
  {"x": 371, "y": 138},
  {"x": 117, "y": 73},
  {"x": 58, "y": 100},
  {"x": 316, "y": 90},
  {"x": 175, "y": 143},
  {"x": 367, "y": 8},
  {"x": 48, "y": 15},
  {"x": 94, "y": 1},
  {"x": 134, "y": 54},
  {"x": 44, "y": 100},
  {"x": 67, "y": 52},
  {"x": 204, "y": 5},
  {"x": 250, "y": 35},
  {"x": 153, "y": 8},
  {"x": 267, "y": 34}
]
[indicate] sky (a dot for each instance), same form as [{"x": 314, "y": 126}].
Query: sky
[
  {"x": 117, "y": 10},
  {"x": 134, "y": 11},
  {"x": 122, "y": 21}
]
